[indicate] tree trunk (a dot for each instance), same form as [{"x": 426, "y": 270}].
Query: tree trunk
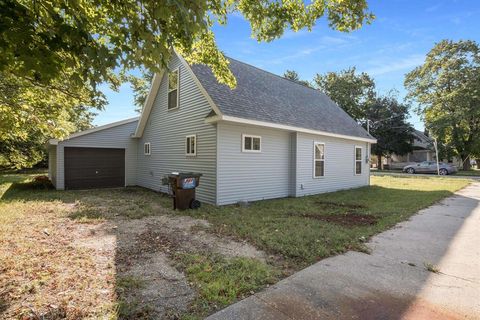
[
  {"x": 379, "y": 162},
  {"x": 466, "y": 162}
]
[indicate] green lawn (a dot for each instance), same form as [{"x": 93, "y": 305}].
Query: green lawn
[
  {"x": 38, "y": 264},
  {"x": 304, "y": 230}
]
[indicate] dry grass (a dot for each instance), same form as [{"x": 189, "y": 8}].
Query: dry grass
[{"x": 42, "y": 274}]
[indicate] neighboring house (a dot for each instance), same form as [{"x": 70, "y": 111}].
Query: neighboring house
[
  {"x": 423, "y": 150},
  {"x": 267, "y": 138}
]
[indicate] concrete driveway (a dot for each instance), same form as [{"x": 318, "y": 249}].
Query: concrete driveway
[{"x": 393, "y": 281}]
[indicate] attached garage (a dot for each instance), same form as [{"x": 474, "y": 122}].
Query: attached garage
[
  {"x": 101, "y": 157},
  {"x": 87, "y": 168}
]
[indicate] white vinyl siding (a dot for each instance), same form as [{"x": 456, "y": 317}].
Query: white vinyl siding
[
  {"x": 113, "y": 137},
  {"x": 166, "y": 131},
  {"x": 253, "y": 176},
  {"x": 338, "y": 165}
]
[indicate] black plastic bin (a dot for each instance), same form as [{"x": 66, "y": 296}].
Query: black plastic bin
[{"x": 183, "y": 187}]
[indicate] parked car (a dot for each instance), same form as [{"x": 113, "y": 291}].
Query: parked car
[{"x": 430, "y": 167}]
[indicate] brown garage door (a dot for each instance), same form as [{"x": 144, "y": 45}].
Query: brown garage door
[{"x": 94, "y": 168}]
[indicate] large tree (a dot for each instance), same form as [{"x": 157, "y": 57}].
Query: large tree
[
  {"x": 31, "y": 114},
  {"x": 54, "y": 54},
  {"x": 447, "y": 89},
  {"x": 351, "y": 91},
  {"x": 41, "y": 40},
  {"x": 388, "y": 124}
]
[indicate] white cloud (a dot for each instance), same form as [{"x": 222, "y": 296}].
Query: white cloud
[
  {"x": 388, "y": 66},
  {"x": 324, "y": 43}
]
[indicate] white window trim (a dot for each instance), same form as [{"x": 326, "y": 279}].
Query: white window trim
[
  {"x": 177, "y": 70},
  {"x": 324, "y": 160},
  {"x": 244, "y": 135},
  {"x": 149, "y": 148},
  {"x": 355, "y": 160},
  {"x": 191, "y": 154}
]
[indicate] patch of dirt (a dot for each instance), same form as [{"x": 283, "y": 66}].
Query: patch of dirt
[
  {"x": 143, "y": 250},
  {"x": 340, "y": 205},
  {"x": 350, "y": 219}
]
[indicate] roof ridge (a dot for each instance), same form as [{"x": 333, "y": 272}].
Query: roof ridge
[{"x": 274, "y": 74}]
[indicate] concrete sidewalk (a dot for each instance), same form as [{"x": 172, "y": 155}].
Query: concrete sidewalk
[{"x": 392, "y": 282}]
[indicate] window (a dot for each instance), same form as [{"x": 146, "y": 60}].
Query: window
[
  {"x": 358, "y": 160},
  {"x": 191, "y": 145},
  {"x": 146, "y": 148},
  {"x": 173, "y": 89},
  {"x": 251, "y": 143},
  {"x": 319, "y": 160}
]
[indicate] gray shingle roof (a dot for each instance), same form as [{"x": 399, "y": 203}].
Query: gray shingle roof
[{"x": 263, "y": 96}]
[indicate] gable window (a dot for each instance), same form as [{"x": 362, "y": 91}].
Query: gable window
[
  {"x": 146, "y": 148},
  {"x": 319, "y": 160},
  {"x": 173, "y": 83},
  {"x": 251, "y": 143},
  {"x": 358, "y": 160},
  {"x": 191, "y": 145}
]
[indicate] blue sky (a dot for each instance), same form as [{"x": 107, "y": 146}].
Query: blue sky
[{"x": 396, "y": 42}]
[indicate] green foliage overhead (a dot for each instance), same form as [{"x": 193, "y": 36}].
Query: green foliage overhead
[
  {"x": 55, "y": 54},
  {"x": 447, "y": 89},
  {"x": 42, "y": 39},
  {"x": 351, "y": 91},
  {"x": 30, "y": 114},
  {"x": 388, "y": 124}
]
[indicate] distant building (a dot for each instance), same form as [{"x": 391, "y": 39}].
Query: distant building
[{"x": 423, "y": 150}]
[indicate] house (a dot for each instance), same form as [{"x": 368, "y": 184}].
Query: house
[
  {"x": 423, "y": 150},
  {"x": 267, "y": 138}
]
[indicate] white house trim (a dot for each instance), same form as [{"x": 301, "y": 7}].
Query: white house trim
[
  {"x": 285, "y": 127},
  {"x": 147, "y": 107},
  {"x": 194, "y": 153},
  {"x": 92, "y": 130},
  {"x": 315, "y": 143},
  {"x": 246, "y": 135},
  {"x": 177, "y": 70},
  {"x": 355, "y": 160}
]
